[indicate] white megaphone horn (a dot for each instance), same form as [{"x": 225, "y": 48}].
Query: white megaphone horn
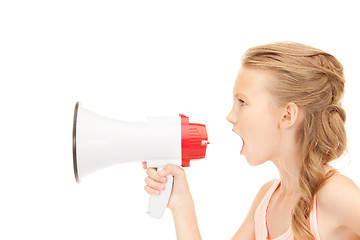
[{"x": 99, "y": 142}]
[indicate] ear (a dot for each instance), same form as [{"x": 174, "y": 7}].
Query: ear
[{"x": 290, "y": 115}]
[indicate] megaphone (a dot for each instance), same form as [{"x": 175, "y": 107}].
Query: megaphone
[{"x": 100, "y": 142}]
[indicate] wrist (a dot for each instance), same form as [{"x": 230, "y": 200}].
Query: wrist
[{"x": 183, "y": 205}]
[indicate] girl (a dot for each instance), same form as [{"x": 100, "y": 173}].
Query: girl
[{"x": 287, "y": 110}]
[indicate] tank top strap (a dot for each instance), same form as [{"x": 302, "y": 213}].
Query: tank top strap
[
  {"x": 261, "y": 230},
  {"x": 313, "y": 220},
  {"x": 314, "y": 212}
]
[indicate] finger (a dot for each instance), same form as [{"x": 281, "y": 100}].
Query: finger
[
  {"x": 144, "y": 164},
  {"x": 153, "y": 174},
  {"x": 151, "y": 191},
  {"x": 154, "y": 185}
]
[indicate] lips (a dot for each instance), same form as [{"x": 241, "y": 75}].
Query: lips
[{"x": 242, "y": 148}]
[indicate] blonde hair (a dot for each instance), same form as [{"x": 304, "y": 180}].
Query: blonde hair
[{"x": 314, "y": 80}]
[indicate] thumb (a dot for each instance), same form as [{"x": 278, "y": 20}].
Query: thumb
[{"x": 172, "y": 169}]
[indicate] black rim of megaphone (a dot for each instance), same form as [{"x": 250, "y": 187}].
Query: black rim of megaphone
[{"x": 74, "y": 142}]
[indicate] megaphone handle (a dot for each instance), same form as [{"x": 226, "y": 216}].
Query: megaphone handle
[{"x": 158, "y": 204}]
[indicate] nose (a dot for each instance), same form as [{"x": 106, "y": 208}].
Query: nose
[{"x": 231, "y": 117}]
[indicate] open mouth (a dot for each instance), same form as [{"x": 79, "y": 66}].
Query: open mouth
[{"x": 243, "y": 142}]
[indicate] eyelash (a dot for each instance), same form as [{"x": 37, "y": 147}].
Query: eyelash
[{"x": 242, "y": 102}]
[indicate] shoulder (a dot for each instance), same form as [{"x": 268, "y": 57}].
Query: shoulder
[
  {"x": 337, "y": 190},
  {"x": 261, "y": 194},
  {"x": 247, "y": 229},
  {"x": 339, "y": 197},
  {"x": 263, "y": 190},
  {"x": 266, "y": 187}
]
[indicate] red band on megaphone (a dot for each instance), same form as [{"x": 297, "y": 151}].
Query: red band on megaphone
[{"x": 194, "y": 140}]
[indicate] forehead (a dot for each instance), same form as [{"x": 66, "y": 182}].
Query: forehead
[{"x": 252, "y": 81}]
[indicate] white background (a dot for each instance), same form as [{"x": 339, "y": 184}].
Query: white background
[{"x": 129, "y": 60}]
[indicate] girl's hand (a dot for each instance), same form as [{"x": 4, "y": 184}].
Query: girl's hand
[{"x": 180, "y": 195}]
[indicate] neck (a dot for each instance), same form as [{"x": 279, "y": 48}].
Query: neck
[
  {"x": 289, "y": 175},
  {"x": 287, "y": 160}
]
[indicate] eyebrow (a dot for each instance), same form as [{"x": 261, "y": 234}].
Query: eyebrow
[{"x": 241, "y": 95}]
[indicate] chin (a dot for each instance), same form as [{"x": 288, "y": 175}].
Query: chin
[
  {"x": 253, "y": 161},
  {"x": 253, "y": 164}
]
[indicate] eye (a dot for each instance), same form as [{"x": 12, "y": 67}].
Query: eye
[{"x": 242, "y": 102}]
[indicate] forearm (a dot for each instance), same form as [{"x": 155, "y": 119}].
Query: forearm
[{"x": 186, "y": 224}]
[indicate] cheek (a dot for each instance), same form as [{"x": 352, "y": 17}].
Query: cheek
[{"x": 261, "y": 137}]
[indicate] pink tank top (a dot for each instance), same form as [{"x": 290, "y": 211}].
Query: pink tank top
[{"x": 261, "y": 230}]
